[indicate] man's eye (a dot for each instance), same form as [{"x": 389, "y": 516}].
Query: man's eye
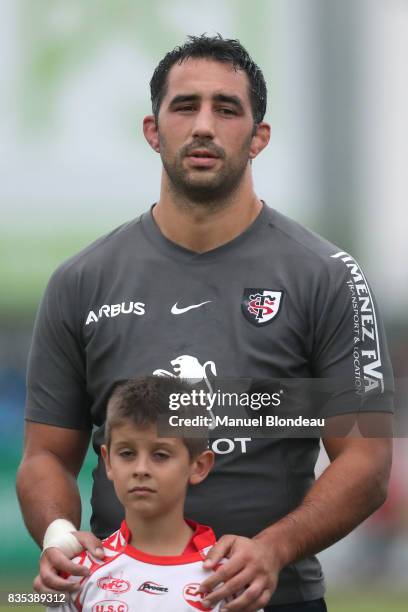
[
  {"x": 227, "y": 111},
  {"x": 186, "y": 107}
]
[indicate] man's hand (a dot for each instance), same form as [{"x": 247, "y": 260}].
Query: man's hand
[
  {"x": 250, "y": 574},
  {"x": 53, "y": 561}
]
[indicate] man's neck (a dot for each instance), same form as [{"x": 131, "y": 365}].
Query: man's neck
[
  {"x": 161, "y": 536},
  {"x": 204, "y": 227}
]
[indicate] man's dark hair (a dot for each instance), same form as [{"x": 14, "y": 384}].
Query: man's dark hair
[
  {"x": 220, "y": 49},
  {"x": 145, "y": 401}
]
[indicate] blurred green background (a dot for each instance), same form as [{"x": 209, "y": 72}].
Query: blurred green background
[{"x": 73, "y": 164}]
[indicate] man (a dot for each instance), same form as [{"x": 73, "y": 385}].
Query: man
[{"x": 210, "y": 283}]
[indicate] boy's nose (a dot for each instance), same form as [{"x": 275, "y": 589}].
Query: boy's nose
[{"x": 141, "y": 467}]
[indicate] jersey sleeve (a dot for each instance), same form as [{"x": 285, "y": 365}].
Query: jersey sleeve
[
  {"x": 56, "y": 381},
  {"x": 350, "y": 356},
  {"x": 72, "y": 603},
  {"x": 68, "y": 606}
]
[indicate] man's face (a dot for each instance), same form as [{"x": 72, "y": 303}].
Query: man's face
[
  {"x": 150, "y": 474},
  {"x": 205, "y": 128}
]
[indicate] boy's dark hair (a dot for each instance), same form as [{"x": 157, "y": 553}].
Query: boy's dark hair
[
  {"x": 145, "y": 400},
  {"x": 221, "y": 49}
]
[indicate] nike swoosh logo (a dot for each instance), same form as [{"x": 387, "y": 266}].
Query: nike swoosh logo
[{"x": 176, "y": 311}]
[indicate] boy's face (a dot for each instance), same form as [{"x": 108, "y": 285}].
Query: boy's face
[{"x": 151, "y": 474}]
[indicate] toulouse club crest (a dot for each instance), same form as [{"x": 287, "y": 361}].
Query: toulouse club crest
[{"x": 260, "y": 306}]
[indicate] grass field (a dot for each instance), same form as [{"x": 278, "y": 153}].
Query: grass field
[
  {"x": 373, "y": 599},
  {"x": 359, "y": 602},
  {"x": 347, "y": 602}
]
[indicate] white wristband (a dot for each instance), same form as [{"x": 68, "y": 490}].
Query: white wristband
[{"x": 59, "y": 535}]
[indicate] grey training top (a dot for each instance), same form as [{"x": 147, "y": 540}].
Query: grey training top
[{"x": 277, "y": 302}]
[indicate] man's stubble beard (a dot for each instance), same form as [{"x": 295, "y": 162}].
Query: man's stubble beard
[{"x": 213, "y": 191}]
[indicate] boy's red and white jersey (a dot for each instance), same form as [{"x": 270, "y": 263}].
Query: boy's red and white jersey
[{"x": 129, "y": 580}]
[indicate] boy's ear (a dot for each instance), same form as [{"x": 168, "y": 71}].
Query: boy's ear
[
  {"x": 200, "y": 467},
  {"x": 105, "y": 455}
]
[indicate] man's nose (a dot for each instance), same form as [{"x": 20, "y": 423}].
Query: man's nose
[{"x": 204, "y": 123}]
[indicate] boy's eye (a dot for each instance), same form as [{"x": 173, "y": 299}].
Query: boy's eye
[
  {"x": 126, "y": 454},
  {"x": 161, "y": 456}
]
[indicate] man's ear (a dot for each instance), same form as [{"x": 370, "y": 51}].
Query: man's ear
[
  {"x": 260, "y": 139},
  {"x": 200, "y": 467},
  {"x": 105, "y": 456},
  {"x": 151, "y": 133}
]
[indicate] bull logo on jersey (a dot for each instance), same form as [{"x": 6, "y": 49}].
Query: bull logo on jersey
[
  {"x": 194, "y": 596},
  {"x": 260, "y": 306},
  {"x": 189, "y": 367}
]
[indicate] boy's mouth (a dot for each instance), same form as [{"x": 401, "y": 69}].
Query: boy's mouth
[{"x": 141, "y": 490}]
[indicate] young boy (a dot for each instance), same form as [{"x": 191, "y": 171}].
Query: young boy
[{"x": 154, "y": 561}]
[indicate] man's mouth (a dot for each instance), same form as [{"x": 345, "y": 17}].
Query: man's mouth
[
  {"x": 203, "y": 158},
  {"x": 202, "y": 153}
]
